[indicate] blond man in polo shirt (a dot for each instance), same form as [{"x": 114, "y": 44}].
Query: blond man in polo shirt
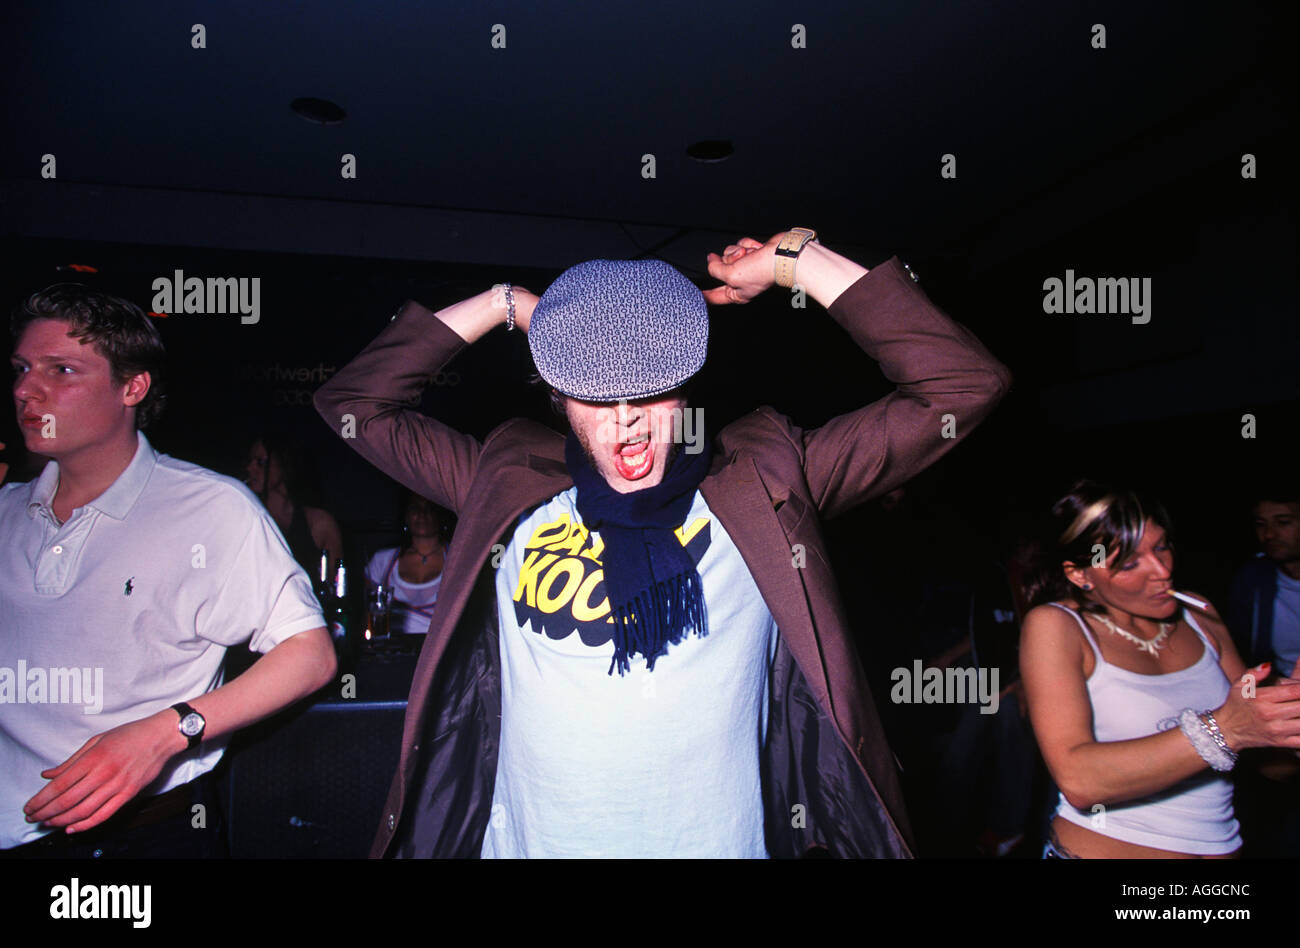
[{"x": 124, "y": 576}]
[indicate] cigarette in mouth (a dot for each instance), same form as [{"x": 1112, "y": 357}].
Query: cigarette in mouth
[{"x": 1190, "y": 600}]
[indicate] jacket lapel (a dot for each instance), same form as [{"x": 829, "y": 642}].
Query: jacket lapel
[{"x": 737, "y": 496}]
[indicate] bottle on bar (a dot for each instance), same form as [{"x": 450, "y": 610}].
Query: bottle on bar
[
  {"x": 324, "y": 591},
  {"x": 340, "y": 623}
]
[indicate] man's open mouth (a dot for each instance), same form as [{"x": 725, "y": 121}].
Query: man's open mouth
[{"x": 633, "y": 459}]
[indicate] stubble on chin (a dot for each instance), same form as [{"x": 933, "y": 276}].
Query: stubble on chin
[
  {"x": 674, "y": 449},
  {"x": 587, "y": 452}
]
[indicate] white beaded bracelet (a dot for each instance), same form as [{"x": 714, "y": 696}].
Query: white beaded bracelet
[{"x": 1207, "y": 739}]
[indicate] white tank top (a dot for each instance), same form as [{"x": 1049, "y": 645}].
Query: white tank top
[{"x": 1194, "y": 815}]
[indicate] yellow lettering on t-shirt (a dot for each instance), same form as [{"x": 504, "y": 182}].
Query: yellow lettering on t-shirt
[
  {"x": 550, "y": 532},
  {"x": 534, "y": 563},
  {"x": 569, "y": 567},
  {"x": 685, "y": 534},
  {"x": 597, "y": 548},
  {"x": 572, "y": 543},
  {"x": 582, "y": 608}
]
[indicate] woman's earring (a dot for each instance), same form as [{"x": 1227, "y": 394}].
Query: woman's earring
[{"x": 1087, "y": 586}]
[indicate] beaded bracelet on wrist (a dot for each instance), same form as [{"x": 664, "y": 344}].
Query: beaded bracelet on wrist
[{"x": 1207, "y": 739}]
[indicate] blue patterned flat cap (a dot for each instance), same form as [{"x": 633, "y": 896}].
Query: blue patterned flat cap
[{"x": 612, "y": 329}]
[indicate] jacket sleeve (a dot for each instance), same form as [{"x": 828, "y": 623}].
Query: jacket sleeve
[
  {"x": 1241, "y": 614},
  {"x": 939, "y": 368},
  {"x": 371, "y": 401}
]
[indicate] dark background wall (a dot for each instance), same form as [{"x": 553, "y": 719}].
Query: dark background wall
[
  {"x": 1159, "y": 404},
  {"x": 478, "y": 164}
]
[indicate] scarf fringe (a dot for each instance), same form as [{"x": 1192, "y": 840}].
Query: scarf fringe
[{"x": 642, "y": 625}]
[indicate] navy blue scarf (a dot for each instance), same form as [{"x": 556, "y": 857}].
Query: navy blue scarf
[{"x": 655, "y": 593}]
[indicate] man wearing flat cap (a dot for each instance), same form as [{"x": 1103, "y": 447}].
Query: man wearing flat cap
[{"x": 641, "y": 650}]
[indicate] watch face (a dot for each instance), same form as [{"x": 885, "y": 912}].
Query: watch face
[{"x": 192, "y": 724}]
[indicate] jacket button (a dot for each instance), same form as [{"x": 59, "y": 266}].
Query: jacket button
[{"x": 392, "y": 822}]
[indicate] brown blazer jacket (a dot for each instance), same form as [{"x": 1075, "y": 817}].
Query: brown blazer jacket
[{"x": 828, "y": 776}]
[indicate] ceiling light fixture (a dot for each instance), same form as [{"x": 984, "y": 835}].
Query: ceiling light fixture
[
  {"x": 711, "y": 150},
  {"x": 318, "y": 111}
]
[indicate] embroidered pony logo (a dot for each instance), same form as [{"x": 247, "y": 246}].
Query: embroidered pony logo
[{"x": 128, "y": 588}]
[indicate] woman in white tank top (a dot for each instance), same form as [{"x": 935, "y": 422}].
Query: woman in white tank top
[
  {"x": 413, "y": 570},
  {"x": 1139, "y": 703}
]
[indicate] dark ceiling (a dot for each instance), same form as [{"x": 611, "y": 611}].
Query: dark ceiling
[
  {"x": 470, "y": 152},
  {"x": 477, "y": 163},
  {"x": 1119, "y": 161}
]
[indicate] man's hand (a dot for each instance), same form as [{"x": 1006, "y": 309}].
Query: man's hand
[
  {"x": 746, "y": 269},
  {"x": 111, "y": 768},
  {"x": 108, "y": 770}
]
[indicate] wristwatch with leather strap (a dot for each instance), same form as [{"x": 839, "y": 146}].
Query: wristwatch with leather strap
[
  {"x": 787, "y": 252},
  {"x": 192, "y": 724}
]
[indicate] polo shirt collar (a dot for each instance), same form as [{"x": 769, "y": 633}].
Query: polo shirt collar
[
  {"x": 42, "y": 497},
  {"x": 117, "y": 501}
]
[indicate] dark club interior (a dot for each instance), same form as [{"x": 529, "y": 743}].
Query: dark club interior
[{"x": 349, "y": 158}]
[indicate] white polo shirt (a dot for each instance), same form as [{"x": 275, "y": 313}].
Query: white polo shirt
[{"x": 127, "y": 609}]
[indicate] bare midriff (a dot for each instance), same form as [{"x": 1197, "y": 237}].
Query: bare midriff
[{"x": 1086, "y": 844}]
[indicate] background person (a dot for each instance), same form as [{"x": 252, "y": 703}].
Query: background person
[
  {"x": 413, "y": 570},
  {"x": 139, "y": 571},
  {"x": 1137, "y": 702},
  {"x": 275, "y": 471},
  {"x": 1264, "y": 601},
  {"x": 1264, "y": 616}
]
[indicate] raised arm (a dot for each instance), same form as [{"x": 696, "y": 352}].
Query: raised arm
[
  {"x": 947, "y": 382},
  {"x": 369, "y": 401}
]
